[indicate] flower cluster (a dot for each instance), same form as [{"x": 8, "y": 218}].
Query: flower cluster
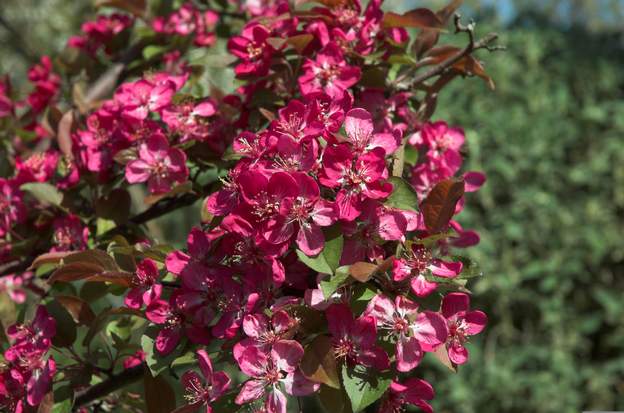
[
  {"x": 27, "y": 375},
  {"x": 189, "y": 21},
  {"x": 327, "y": 251},
  {"x": 100, "y": 33}
]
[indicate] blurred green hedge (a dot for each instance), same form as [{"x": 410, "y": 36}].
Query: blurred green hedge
[{"x": 551, "y": 216}]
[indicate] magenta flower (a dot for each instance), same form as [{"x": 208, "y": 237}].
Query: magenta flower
[
  {"x": 354, "y": 341},
  {"x": 413, "y": 391},
  {"x": 417, "y": 264},
  {"x": 270, "y": 369},
  {"x": 158, "y": 164},
  {"x": 328, "y": 73},
  {"x": 202, "y": 392},
  {"x": 70, "y": 234},
  {"x": 143, "y": 281},
  {"x": 355, "y": 178},
  {"x": 414, "y": 332},
  {"x": 254, "y": 51},
  {"x": 296, "y": 121},
  {"x": 359, "y": 128},
  {"x": 263, "y": 332},
  {"x": 462, "y": 323},
  {"x": 303, "y": 214},
  {"x": 15, "y": 285},
  {"x": 142, "y": 97}
]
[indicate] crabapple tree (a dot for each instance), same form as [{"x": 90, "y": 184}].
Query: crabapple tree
[{"x": 326, "y": 260}]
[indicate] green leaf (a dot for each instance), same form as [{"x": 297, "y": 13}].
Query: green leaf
[
  {"x": 333, "y": 246},
  {"x": 470, "y": 269},
  {"x": 335, "y": 281},
  {"x": 362, "y": 294},
  {"x": 317, "y": 263},
  {"x": 327, "y": 261},
  {"x": 364, "y": 387},
  {"x": 153, "y": 51},
  {"x": 44, "y": 192},
  {"x": 403, "y": 195}
]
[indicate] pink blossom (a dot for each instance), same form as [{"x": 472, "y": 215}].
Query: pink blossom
[
  {"x": 417, "y": 264},
  {"x": 200, "y": 392},
  {"x": 307, "y": 212},
  {"x": 462, "y": 323},
  {"x": 413, "y": 391},
  {"x": 270, "y": 369},
  {"x": 158, "y": 164},
  {"x": 70, "y": 234},
  {"x": 328, "y": 73},
  {"x": 145, "y": 277},
  {"x": 414, "y": 332},
  {"x": 14, "y": 285},
  {"x": 356, "y": 178},
  {"x": 354, "y": 341},
  {"x": 359, "y": 128},
  {"x": 254, "y": 51}
]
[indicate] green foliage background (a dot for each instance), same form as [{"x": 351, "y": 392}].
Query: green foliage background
[{"x": 551, "y": 140}]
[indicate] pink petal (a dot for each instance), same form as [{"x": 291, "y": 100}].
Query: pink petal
[
  {"x": 408, "y": 354},
  {"x": 476, "y": 320},
  {"x": 205, "y": 364},
  {"x": 287, "y": 354},
  {"x": 276, "y": 402},
  {"x": 454, "y": 303},
  {"x": 310, "y": 239},
  {"x": 252, "y": 390},
  {"x": 382, "y": 308},
  {"x": 255, "y": 325},
  {"x": 430, "y": 328},
  {"x": 458, "y": 354}
]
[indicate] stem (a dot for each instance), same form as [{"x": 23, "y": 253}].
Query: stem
[{"x": 114, "y": 383}]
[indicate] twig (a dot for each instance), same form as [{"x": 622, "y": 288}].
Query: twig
[
  {"x": 484, "y": 43},
  {"x": 114, "y": 383}
]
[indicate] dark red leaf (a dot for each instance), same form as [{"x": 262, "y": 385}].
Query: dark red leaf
[
  {"x": 319, "y": 362},
  {"x": 79, "y": 309},
  {"x": 439, "y": 206},
  {"x": 418, "y": 18}
]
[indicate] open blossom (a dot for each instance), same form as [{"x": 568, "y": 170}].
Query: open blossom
[
  {"x": 328, "y": 73},
  {"x": 253, "y": 49},
  {"x": 412, "y": 391},
  {"x": 144, "y": 279},
  {"x": 70, "y": 234},
  {"x": 417, "y": 263},
  {"x": 356, "y": 178},
  {"x": 462, "y": 323},
  {"x": 360, "y": 133},
  {"x": 158, "y": 164},
  {"x": 269, "y": 371},
  {"x": 203, "y": 391},
  {"x": 140, "y": 98},
  {"x": 413, "y": 331},
  {"x": 263, "y": 332},
  {"x": 355, "y": 341},
  {"x": 307, "y": 212}
]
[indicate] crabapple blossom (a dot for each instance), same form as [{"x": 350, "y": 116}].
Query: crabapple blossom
[{"x": 158, "y": 164}]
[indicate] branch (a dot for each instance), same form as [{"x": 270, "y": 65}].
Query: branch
[
  {"x": 484, "y": 43},
  {"x": 113, "y": 383}
]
